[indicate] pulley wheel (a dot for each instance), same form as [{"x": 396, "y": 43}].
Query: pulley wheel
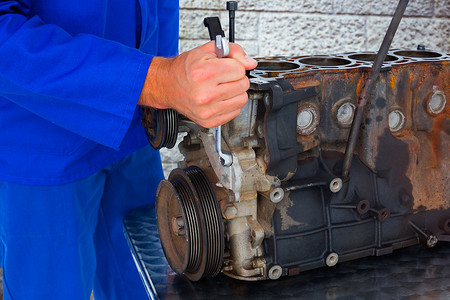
[
  {"x": 179, "y": 227},
  {"x": 213, "y": 220},
  {"x": 161, "y": 126},
  {"x": 190, "y": 224}
]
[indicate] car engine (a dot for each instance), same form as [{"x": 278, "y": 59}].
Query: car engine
[{"x": 281, "y": 205}]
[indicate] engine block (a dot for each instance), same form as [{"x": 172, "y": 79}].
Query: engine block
[{"x": 283, "y": 206}]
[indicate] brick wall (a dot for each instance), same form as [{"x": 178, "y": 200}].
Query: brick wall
[
  {"x": 306, "y": 27},
  {"x": 280, "y": 27}
]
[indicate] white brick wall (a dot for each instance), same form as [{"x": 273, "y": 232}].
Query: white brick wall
[
  {"x": 295, "y": 27},
  {"x": 280, "y": 27}
]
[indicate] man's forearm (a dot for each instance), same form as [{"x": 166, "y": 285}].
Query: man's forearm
[{"x": 158, "y": 76}]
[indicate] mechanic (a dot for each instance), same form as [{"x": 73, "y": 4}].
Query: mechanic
[{"x": 74, "y": 158}]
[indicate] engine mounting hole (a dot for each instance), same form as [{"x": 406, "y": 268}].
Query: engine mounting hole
[{"x": 275, "y": 272}]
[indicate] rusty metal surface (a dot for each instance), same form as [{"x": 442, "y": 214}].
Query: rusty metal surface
[
  {"x": 412, "y": 273},
  {"x": 408, "y": 81}
]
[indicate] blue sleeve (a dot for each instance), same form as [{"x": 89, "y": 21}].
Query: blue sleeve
[
  {"x": 82, "y": 83},
  {"x": 168, "y": 19}
]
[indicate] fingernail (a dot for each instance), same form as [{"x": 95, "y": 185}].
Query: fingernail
[{"x": 250, "y": 60}]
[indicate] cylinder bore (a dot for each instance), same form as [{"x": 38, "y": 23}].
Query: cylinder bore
[
  {"x": 325, "y": 61},
  {"x": 276, "y": 66},
  {"x": 417, "y": 53},
  {"x": 370, "y": 57}
]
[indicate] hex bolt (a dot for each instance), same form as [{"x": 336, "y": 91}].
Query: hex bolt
[
  {"x": 230, "y": 212},
  {"x": 227, "y": 265},
  {"x": 258, "y": 263},
  {"x": 421, "y": 47},
  {"x": 178, "y": 226},
  {"x": 432, "y": 241}
]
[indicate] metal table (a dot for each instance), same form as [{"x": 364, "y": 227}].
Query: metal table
[{"x": 411, "y": 273}]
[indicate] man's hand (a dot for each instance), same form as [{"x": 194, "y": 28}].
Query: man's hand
[{"x": 208, "y": 90}]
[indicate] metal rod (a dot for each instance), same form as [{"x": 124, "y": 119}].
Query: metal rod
[
  {"x": 370, "y": 83},
  {"x": 232, "y": 6}
]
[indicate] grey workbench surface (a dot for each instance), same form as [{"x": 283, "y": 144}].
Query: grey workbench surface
[{"x": 411, "y": 273}]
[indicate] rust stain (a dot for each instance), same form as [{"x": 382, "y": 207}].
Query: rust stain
[
  {"x": 286, "y": 220},
  {"x": 393, "y": 82},
  {"x": 305, "y": 84},
  {"x": 432, "y": 181},
  {"x": 360, "y": 85}
]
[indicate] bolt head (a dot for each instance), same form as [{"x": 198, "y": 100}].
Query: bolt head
[
  {"x": 230, "y": 212},
  {"x": 432, "y": 241},
  {"x": 232, "y": 5}
]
